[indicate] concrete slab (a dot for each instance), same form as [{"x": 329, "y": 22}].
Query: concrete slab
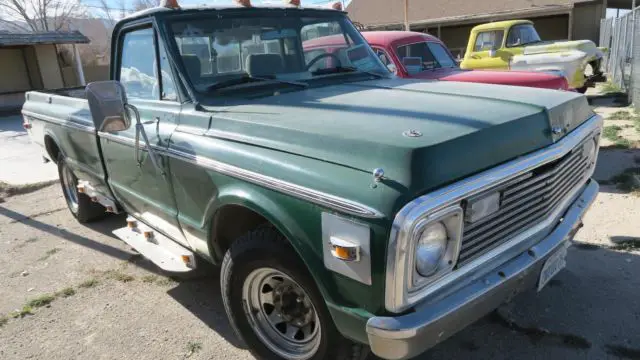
[{"x": 20, "y": 159}]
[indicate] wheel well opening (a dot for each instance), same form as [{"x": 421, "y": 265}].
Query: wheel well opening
[
  {"x": 231, "y": 222},
  {"x": 52, "y": 148}
]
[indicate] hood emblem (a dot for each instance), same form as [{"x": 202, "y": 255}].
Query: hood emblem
[
  {"x": 412, "y": 133},
  {"x": 557, "y": 130}
]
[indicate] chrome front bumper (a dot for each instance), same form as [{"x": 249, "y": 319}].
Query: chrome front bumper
[{"x": 408, "y": 335}]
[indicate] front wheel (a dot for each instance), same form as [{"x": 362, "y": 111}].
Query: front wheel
[{"x": 274, "y": 305}]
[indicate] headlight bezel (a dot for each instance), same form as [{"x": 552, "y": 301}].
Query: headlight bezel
[{"x": 452, "y": 219}]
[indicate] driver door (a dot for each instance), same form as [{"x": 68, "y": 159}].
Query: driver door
[
  {"x": 140, "y": 186},
  {"x": 487, "y": 52}
]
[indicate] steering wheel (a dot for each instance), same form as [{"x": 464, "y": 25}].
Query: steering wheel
[{"x": 322, "y": 56}]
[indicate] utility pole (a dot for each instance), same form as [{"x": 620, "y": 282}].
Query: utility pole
[{"x": 406, "y": 16}]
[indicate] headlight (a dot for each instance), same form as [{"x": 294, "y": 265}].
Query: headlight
[
  {"x": 589, "y": 151},
  {"x": 435, "y": 247},
  {"x": 431, "y": 249}
]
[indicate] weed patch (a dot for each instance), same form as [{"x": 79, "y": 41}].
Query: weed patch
[
  {"x": 119, "y": 276},
  {"x": 49, "y": 253},
  {"x": 26, "y": 310},
  {"x": 3, "y": 320},
  {"x": 89, "y": 283},
  {"x": 628, "y": 180},
  {"x": 149, "y": 279},
  {"x": 621, "y": 115},
  {"x": 612, "y": 133},
  {"x": 193, "y": 347},
  {"x": 66, "y": 292},
  {"x": 41, "y": 301}
]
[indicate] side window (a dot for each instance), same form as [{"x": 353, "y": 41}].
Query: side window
[
  {"x": 137, "y": 65},
  {"x": 168, "y": 87},
  {"x": 382, "y": 56},
  {"x": 489, "y": 40}
]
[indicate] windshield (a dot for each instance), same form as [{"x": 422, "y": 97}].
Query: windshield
[
  {"x": 258, "y": 47},
  {"x": 423, "y": 56},
  {"x": 522, "y": 35}
]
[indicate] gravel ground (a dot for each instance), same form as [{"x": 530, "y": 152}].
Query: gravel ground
[{"x": 109, "y": 303}]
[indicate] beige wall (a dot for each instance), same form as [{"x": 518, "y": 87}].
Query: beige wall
[
  {"x": 586, "y": 21},
  {"x": 91, "y": 73},
  {"x": 32, "y": 67},
  {"x": 49, "y": 67},
  {"x": 552, "y": 27},
  {"x": 13, "y": 72}
]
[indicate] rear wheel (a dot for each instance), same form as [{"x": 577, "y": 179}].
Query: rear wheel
[
  {"x": 274, "y": 305},
  {"x": 79, "y": 204}
]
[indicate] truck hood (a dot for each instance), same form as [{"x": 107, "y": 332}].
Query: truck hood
[
  {"x": 514, "y": 78},
  {"x": 586, "y": 46},
  {"x": 423, "y": 134}
]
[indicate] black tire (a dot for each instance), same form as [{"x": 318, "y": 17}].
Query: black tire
[
  {"x": 266, "y": 247},
  {"x": 582, "y": 90},
  {"x": 84, "y": 210}
]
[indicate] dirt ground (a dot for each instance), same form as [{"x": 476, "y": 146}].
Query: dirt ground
[{"x": 69, "y": 291}]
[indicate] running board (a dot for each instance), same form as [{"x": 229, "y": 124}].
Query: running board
[
  {"x": 162, "y": 251},
  {"x": 85, "y": 187}
]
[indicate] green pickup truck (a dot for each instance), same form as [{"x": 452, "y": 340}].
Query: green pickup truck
[{"x": 349, "y": 210}]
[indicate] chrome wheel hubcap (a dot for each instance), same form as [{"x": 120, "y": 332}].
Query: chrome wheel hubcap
[
  {"x": 70, "y": 188},
  {"x": 281, "y": 314}
]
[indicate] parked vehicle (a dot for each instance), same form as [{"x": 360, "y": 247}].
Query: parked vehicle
[
  {"x": 347, "y": 208},
  {"x": 422, "y": 56},
  {"x": 516, "y": 45}
]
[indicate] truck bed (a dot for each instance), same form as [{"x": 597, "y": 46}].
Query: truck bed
[{"x": 62, "y": 116}]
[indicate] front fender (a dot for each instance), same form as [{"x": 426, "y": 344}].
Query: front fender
[{"x": 285, "y": 214}]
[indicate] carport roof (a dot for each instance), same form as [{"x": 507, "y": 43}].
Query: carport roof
[
  {"x": 385, "y": 12},
  {"x": 58, "y": 37}
]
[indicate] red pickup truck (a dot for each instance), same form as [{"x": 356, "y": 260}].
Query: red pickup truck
[{"x": 422, "y": 56}]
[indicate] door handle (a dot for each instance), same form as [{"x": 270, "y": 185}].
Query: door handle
[{"x": 150, "y": 122}]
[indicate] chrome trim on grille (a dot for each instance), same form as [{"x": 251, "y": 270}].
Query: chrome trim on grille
[
  {"x": 524, "y": 203},
  {"x": 397, "y": 296}
]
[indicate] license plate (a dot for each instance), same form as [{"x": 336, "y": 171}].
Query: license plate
[{"x": 552, "y": 266}]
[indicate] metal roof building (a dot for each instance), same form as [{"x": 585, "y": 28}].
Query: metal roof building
[{"x": 29, "y": 61}]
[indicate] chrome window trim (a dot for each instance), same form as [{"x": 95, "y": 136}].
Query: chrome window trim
[
  {"x": 285, "y": 187},
  {"x": 50, "y": 119},
  {"x": 397, "y": 296}
]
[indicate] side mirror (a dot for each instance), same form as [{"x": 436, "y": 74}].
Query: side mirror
[{"x": 107, "y": 103}]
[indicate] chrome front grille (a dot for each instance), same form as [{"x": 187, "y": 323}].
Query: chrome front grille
[{"x": 525, "y": 201}]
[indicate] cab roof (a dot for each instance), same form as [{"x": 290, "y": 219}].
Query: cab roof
[
  {"x": 389, "y": 37},
  {"x": 160, "y": 9},
  {"x": 500, "y": 24}
]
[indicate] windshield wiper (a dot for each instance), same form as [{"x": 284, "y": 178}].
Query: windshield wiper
[
  {"x": 246, "y": 78},
  {"x": 344, "y": 69}
]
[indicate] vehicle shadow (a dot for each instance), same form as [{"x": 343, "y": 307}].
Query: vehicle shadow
[
  {"x": 105, "y": 226},
  {"x": 202, "y": 297},
  {"x": 589, "y": 310},
  {"x": 616, "y": 99},
  {"x": 611, "y": 164},
  {"x": 11, "y": 123}
]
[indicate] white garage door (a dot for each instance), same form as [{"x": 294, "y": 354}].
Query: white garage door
[{"x": 13, "y": 71}]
